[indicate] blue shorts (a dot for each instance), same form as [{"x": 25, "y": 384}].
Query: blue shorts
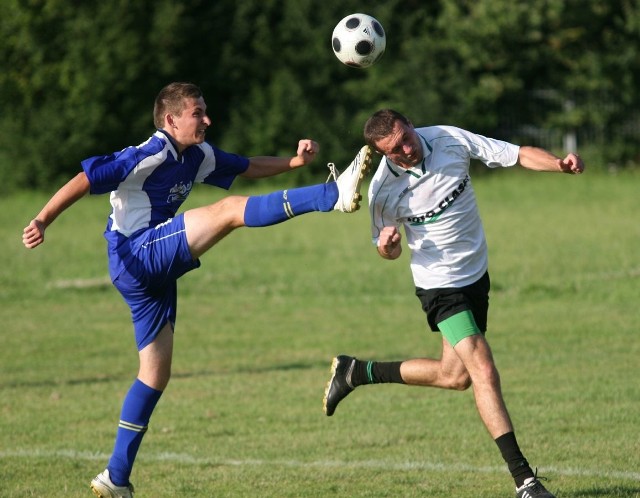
[{"x": 152, "y": 261}]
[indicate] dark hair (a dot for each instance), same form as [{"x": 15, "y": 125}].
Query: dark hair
[
  {"x": 172, "y": 100},
  {"x": 381, "y": 124}
]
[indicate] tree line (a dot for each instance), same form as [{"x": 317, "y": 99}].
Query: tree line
[{"x": 79, "y": 78}]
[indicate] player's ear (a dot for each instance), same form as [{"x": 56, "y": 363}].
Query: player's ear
[{"x": 169, "y": 121}]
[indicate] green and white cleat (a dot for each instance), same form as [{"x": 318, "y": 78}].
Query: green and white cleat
[{"x": 350, "y": 181}]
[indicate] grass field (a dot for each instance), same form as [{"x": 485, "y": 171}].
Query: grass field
[{"x": 261, "y": 320}]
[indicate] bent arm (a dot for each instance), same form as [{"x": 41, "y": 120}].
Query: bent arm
[
  {"x": 264, "y": 166},
  {"x": 389, "y": 243},
  {"x": 74, "y": 189},
  {"x": 537, "y": 159}
]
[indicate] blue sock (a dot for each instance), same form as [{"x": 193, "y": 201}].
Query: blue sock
[
  {"x": 270, "y": 209},
  {"x": 136, "y": 411}
]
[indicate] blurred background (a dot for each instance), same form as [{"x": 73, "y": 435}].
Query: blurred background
[{"x": 79, "y": 78}]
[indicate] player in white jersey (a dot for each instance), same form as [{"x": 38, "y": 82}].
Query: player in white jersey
[
  {"x": 423, "y": 186},
  {"x": 151, "y": 245}
]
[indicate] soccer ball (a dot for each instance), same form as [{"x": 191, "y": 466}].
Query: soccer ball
[{"x": 358, "y": 40}]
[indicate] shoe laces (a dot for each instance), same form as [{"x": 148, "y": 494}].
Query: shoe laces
[
  {"x": 333, "y": 173},
  {"x": 539, "y": 478},
  {"x": 536, "y": 485}
]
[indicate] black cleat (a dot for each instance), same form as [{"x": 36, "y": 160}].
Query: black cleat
[
  {"x": 339, "y": 386},
  {"x": 533, "y": 489}
]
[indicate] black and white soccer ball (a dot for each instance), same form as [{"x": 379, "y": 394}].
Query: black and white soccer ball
[{"x": 358, "y": 40}]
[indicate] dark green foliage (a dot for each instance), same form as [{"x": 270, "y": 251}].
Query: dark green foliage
[{"x": 79, "y": 78}]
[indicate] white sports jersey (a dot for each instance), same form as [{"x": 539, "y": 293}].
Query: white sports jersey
[{"x": 436, "y": 204}]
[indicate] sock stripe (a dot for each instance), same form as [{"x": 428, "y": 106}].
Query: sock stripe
[
  {"x": 132, "y": 427},
  {"x": 287, "y": 209},
  {"x": 370, "y": 372}
]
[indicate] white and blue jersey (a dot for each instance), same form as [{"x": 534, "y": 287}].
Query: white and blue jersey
[
  {"x": 147, "y": 245},
  {"x": 149, "y": 183}
]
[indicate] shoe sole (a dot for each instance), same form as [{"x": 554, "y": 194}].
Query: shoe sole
[
  {"x": 334, "y": 366},
  {"x": 363, "y": 170},
  {"x": 99, "y": 493}
]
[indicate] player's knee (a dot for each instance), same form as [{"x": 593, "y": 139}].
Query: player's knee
[
  {"x": 461, "y": 382},
  {"x": 457, "y": 382},
  {"x": 230, "y": 208},
  {"x": 493, "y": 375},
  {"x": 487, "y": 373}
]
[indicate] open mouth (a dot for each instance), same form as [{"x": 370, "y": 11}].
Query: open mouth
[{"x": 411, "y": 159}]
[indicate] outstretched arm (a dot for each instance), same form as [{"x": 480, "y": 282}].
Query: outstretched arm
[
  {"x": 538, "y": 159},
  {"x": 263, "y": 166},
  {"x": 74, "y": 189}
]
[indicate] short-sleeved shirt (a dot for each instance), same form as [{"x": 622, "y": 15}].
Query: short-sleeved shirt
[
  {"x": 149, "y": 182},
  {"x": 435, "y": 203},
  {"x": 146, "y": 238}
]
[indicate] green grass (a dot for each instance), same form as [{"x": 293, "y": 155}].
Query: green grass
[{"x": 260, "y": 321}]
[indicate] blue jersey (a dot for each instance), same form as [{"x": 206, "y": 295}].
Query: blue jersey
[{"x": 149, "y": 183}]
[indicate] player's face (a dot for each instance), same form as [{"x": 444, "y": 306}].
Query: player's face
[
  {"x": 402, "y": 146},
  {"x": 189, "y": 128}
]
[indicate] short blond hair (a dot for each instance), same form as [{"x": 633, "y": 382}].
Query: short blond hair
[{"x": 172, "y": 99}]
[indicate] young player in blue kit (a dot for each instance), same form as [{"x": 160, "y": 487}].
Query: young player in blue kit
[
  {"x": 150, "y": 245},
  {"x": 423, "y": 185}
]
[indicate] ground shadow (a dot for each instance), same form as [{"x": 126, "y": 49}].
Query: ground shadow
[
  {"x": 618, "y": 491},
  {"x": 184, "y": 374}
]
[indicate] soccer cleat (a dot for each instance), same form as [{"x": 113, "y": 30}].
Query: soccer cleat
[
  {"x": 102, "y": 487},
  {"x": 339, "y": 386},
  {"x": 533, "y": 489},
  {"x": 350, "y": 181}
]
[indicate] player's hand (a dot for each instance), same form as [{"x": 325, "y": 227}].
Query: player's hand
[
  {"x": 389, "y": 243},
  {"x": 33, "y": 234},
  {"x": 307, "y": 150},
  {"x": 571, "y": 164}
]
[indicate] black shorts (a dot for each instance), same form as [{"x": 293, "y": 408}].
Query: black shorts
[{"x": 440, "y": 304}]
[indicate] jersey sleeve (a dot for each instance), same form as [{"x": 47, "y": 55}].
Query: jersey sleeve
[
  {"x": 220, "y": 168},
  {"x": 494, "y": 153},
  {"x": 105, "y": 173}
]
